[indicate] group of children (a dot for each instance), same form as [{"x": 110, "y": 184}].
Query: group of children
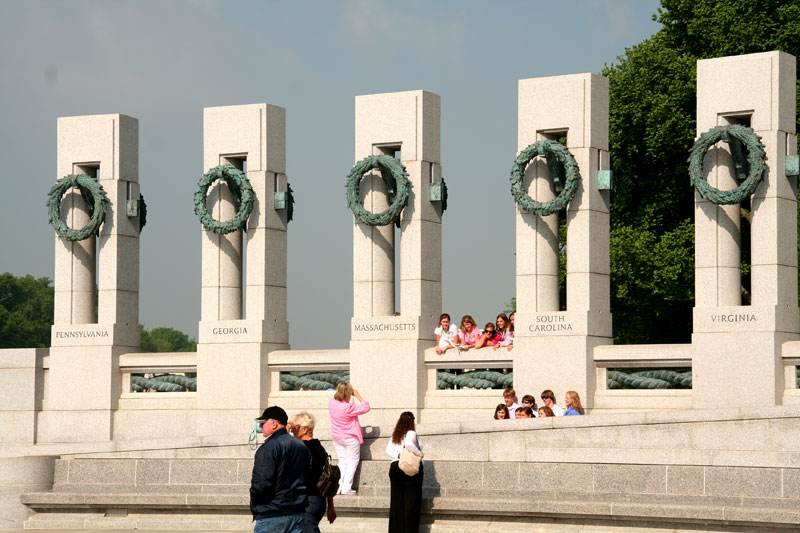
[
  {"x": 510, "y": 409},
  {"x": 497, "y": 335}
]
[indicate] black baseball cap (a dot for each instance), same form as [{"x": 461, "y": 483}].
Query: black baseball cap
[{"x": 274, "y": 413}]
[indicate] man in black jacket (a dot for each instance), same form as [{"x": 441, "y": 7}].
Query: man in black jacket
[{"x": 278, "y": 489}]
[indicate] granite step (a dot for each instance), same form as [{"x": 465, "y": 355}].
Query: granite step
[
  {"x": 58, "y": 511},
  {"x": 207, "y": 489}
]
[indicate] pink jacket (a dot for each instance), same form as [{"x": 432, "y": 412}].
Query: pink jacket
[{"x": 344, "y": 419}]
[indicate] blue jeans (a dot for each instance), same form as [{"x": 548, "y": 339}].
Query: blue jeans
[{"x": 290, "y": 523}]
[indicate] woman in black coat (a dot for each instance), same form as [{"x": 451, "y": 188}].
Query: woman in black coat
[{"x": 302, "y": 427}]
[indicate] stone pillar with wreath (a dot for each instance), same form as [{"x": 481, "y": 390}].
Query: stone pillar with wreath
[
  {"x": 97, "y": 213},
  {"x": 561, "y": 184},
  {"x": 243, "y": 195},
  {"x": 397, "y": 194},
  {"x": 744, "y": 169}
]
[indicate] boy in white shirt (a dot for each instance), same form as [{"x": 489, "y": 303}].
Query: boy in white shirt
[
  {"x": 549, "y": 400},
  {"x": 509, "y": 396}
]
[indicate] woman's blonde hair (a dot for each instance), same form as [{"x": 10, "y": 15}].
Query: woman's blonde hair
[
  {"x": 468, "y": 320},
  {"x": 304, "y": 420},
  {"x": 576, "y": 400},
  {"x": 344, "y": 391}
]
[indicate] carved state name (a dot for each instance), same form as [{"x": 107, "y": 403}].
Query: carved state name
[
  {"x": 384, "y": 327},
  {"x": 228, "y": 331},
  {"x": 550, "y": 323},
  {"x": 734, "y": 317},
  {"x": 80, "y": 334}
]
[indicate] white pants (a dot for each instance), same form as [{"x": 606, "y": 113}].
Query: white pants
[{"x": 348, "y": 450}]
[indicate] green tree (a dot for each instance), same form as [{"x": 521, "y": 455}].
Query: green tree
[
  {"x": 651, "y": 128},
  {"x": 166, "y": 340},
  {"x": 26, "y": 311}
]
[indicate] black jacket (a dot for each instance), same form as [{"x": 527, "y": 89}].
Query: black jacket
[
  {"x": 318, "y": 456},
  {"x": 279, "y": 476}
]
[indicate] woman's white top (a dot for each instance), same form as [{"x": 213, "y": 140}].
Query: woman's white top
[
  {"x": 410, "y": 441},
  {"x": 447, "y": 338}
]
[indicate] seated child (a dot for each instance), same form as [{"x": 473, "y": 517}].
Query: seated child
[
  {"x": 446, "y": 334},
  {"x": 505, "y": 326},
  {"x": 573, "y": 403},
  {"x": 501, "y": 412},
  {"x": 544, "y": 412},
  {"x": 529, "y": 401},
  {"x": 524, "y": 412},
  {"x": 509, "y": 397},
  {"x": 490, "y": 337},
  {"x": 469, "y": 333}
]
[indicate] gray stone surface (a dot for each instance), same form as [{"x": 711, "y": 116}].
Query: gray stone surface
[
  {"x": 630, "y": 478},
  {"x": 764, "y": 516},
  {"x": 376, "y": 474},
  {"x": 458, "y": 475},
  {"x": 673, "y": 512},
  {"x": 659, "y": 436},
  {"x": 731, "y": 435},
  {"x": 592, "y": 437},
  {"x": 61, "y": 471},
  {"x": 783, "y": 434},
  {"x": 746, "y": 482},
  {"x": 556, "y": 476},
  {"x": 84, "y": 471},
  {"x": 239, "y": 487},
  {"x": 152, "y": 472},
  {"x": 685, "y": 479},
  {"x": 244, "y": 470},
  {"x": 550, "y": 438},
  {"x": 499, "y": 476},
  {"x": 458, "y": 447},
  {"x": 507, "y": 446},
  {"x": 791, "y": 483},
  {"x": 196, "y": 471}
]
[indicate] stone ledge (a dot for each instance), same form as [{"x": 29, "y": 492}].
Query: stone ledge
[
  {"x": 168, "y": 446},
  {"x": 704, "y": 512},
  {"x": 442, "y": 477}
]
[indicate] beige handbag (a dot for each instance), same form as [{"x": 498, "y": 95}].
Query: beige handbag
[{"x": 409, "y": 463}]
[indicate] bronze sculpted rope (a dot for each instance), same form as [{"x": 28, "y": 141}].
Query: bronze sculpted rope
[
  {"x": 96, "y": 200},
  {"x": 756, "y": 158},
  {"x": 242, "y": 192},
  {"x": 393, "y": 174}
]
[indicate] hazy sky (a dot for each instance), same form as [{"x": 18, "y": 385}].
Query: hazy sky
[{"x": 163, "y": 62}]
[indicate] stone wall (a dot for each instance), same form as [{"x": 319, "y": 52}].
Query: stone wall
[{"x": 735, "y": 469}]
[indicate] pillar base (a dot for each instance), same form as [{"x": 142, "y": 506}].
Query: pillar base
[
  {"x": 232, "y": 386},
  {"x": 738, "y": 369},
  {"x": 558, "y": 363},
  {"x": 391, "y": 375}
]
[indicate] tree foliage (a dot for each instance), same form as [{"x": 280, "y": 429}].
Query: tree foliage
[
  {"x": 166, "y": 340},
  {"x": 26, "y": 316},
  {"x": 26, "y": 311},
  {"x": 651, "y": 128}
]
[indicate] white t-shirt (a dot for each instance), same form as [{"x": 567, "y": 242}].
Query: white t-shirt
[
  {"x": 410, "y": 441},
  {"x": 447, "y": 338},
  {"x": 558, "y": 411}
]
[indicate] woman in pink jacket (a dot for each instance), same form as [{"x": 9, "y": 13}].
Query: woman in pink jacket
[{"x": 346, "y": 432}]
